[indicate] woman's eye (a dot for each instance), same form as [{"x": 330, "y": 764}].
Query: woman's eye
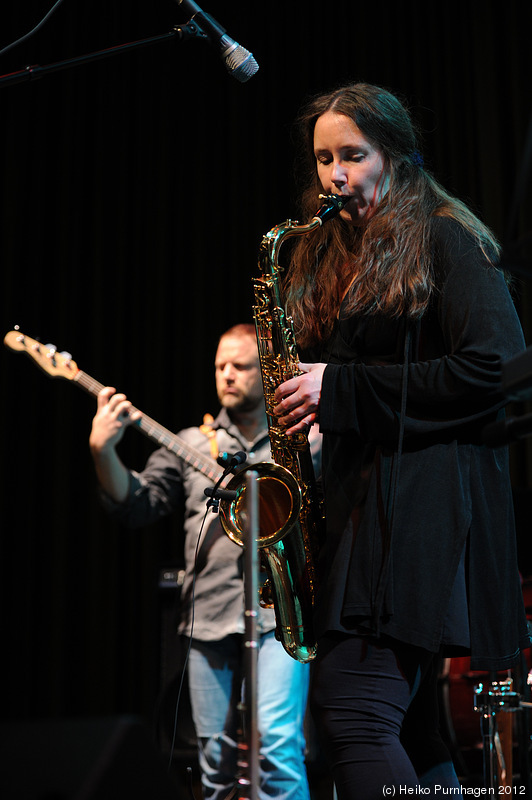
[{"x": 356, "y": 157}]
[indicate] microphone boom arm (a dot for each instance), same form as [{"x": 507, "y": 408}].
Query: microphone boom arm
[{"x": 180, "y": 32}]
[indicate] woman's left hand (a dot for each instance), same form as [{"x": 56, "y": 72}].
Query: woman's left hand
[{"x": 298, "y": 399}]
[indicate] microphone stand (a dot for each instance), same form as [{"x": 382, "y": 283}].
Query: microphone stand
[
  {"x": 248, "y": 779},
  {"x": 181, "y": 32},
  {"x": 248, "y": 744}
]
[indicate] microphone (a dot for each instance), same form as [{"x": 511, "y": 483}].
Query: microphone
[
  {"x": 238, "y": 61},
  {"x": 231, "y": 460},
  {"x": 505, "y": 431},
  {"x": 220, "y": 494}
]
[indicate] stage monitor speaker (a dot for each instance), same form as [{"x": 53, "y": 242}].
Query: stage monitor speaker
[{"x": 86, "y": 759}]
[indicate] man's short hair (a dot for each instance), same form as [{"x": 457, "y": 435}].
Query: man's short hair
[{"x": 240, "y": 330}]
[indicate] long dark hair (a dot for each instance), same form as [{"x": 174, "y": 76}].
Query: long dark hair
[{"x": 386, "y": 265}]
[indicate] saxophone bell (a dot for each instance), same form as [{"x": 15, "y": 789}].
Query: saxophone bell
[{"x": 280, "y": 502}]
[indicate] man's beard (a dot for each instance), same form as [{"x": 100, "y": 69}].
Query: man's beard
[{"x": 239, "y": 403}]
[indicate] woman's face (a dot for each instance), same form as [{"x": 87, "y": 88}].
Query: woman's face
[{"x": 349, "y": 164}]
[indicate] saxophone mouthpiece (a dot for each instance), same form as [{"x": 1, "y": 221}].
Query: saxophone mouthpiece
[{"x": 331, "y": 206}]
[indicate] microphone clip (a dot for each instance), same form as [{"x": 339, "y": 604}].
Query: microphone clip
[
  {"x": 190, "y": 30},
  {"x": 215, "y": 495}
]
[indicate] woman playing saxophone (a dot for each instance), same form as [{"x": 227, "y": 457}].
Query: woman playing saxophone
[{"x": 402, "y": 319}]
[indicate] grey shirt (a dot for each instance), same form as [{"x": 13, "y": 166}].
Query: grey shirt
[{"x": 160, "y": 489}]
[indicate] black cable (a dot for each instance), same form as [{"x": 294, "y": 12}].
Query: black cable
[
  {"x": 185, "y": 664},
  {"x": 33, "y": 30}
]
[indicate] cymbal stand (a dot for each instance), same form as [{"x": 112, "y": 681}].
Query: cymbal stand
[{"x": 490, "y": 700}]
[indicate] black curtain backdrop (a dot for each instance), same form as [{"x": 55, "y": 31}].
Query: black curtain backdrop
[{"x": 135, "y": 191}]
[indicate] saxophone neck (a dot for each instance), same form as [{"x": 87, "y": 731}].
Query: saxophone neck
[
  {"x": 274, "y": 239},
  {"x": 331, "y": 205}
]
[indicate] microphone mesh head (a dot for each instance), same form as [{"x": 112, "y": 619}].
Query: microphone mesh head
[{"x": 241, "y": 64}]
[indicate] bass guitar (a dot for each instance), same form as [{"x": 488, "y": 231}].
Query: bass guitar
[{"x": 61, "y": 365}]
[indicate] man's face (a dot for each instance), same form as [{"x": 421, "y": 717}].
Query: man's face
[{"x": 238, "y": 376}]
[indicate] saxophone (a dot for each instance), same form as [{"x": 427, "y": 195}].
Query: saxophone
[{"x": 290, "y": 518}]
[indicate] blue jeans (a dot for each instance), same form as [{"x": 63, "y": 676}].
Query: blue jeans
[{"x": 215, "y": 685}]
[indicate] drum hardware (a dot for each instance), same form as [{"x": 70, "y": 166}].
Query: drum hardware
[{"x": 496, "y": 731}]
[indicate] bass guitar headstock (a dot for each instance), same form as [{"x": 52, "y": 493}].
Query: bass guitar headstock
[{"x": 58, "y": 365}]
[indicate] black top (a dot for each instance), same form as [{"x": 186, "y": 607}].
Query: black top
[{"x": 400, "y": 524}]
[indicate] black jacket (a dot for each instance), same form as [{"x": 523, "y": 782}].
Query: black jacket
[{"x": 400, "y": 524}]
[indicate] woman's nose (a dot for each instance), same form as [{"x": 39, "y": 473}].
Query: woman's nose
[{"x": 338, "y": 173}]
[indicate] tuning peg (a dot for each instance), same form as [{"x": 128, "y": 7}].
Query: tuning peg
[
  {"x": 51, "y": 350},
  {"x": 67, "y": 357}
]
